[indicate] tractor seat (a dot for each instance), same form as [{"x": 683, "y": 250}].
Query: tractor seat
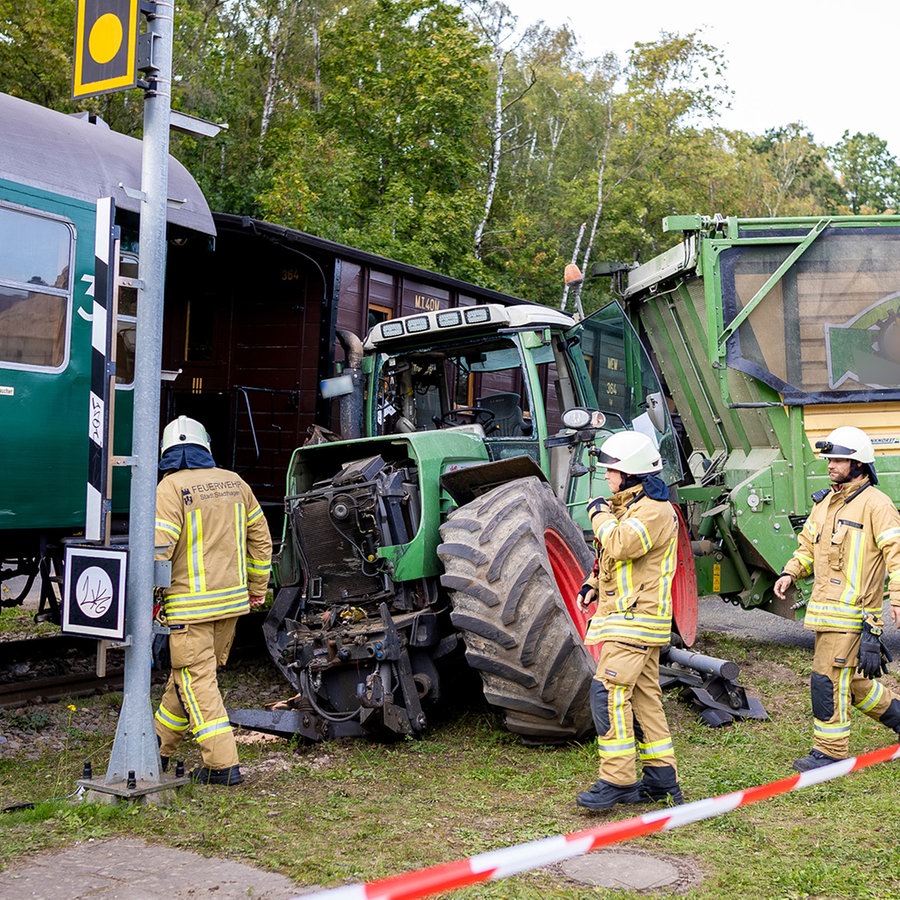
[{"x": 508, "y": 417}]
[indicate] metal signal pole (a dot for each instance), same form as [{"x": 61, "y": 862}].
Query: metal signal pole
[{"x": 134, "y": 761}]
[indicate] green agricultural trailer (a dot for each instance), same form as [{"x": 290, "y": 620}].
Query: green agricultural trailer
[{"x": 768, "y": 334}]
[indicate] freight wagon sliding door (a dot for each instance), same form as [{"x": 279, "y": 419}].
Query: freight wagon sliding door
[
  {"x": 245, "y": 339},
  {"x": 270, "y": 350}
]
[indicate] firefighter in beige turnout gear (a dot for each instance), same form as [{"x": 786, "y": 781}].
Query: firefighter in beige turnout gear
[
  {"x": 216, "y": 536},
  {"x": 850, "y": 543},
  {"x": 636, "y": 534}
]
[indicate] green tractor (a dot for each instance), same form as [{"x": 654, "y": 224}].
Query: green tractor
[{"x": 450, "y": 521}]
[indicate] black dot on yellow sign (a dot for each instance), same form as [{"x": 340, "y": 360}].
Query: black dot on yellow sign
[{"x": 105, "y": 44}]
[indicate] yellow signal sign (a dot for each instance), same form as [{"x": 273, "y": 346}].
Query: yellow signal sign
[{"x": 105, "y": 46}]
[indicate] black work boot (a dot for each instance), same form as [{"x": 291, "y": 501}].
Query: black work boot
[
  {"x": 815, "y": 759},
  {"x": 163, "y": 760},
  {"x": 660, "y": 783},
  {"x": 205, "y": 775},
  {"x": 891, "y": 717},
  {"x": 605, "y": 795}
]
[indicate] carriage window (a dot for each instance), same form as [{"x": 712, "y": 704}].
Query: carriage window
[
  {"x": 126, "y": 321},
  {"x": 378, "y": 314},
  {"x": 35, "y": 275}
]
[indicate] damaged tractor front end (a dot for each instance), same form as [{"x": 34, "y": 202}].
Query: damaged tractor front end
[{"x": 358, "y": 640}]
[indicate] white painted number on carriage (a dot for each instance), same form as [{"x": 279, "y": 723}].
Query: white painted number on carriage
[
  {"x": 7, "y": 391},
  {"x": 93, "y": 592}
]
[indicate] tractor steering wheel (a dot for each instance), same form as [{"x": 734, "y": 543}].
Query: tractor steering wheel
[{"x": 467, "y": 415}]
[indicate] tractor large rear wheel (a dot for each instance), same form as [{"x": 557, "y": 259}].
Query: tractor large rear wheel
[{"x": 513, "y": 562}]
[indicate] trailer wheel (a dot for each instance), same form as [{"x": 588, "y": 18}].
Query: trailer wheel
[{"x": 513, "y": 563}]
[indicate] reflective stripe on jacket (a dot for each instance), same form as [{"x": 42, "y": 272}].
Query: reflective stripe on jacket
[
  {"x": 638, "y": 542},
  {"x": 850, "y": 542},
  {"x": 214, "y": 532}
]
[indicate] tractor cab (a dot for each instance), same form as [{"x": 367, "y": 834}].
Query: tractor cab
[{"x": 509, "y": 374}]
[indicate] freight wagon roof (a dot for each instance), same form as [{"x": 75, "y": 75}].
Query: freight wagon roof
[
  {"x": 289, "y": 236},
  {"x": 75, "y": 157}
]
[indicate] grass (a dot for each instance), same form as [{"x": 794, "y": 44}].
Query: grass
[
  {"x": 354, "y": 811},
  {"x": 20, "y": 620}
]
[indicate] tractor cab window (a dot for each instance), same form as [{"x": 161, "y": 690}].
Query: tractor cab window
[
  {"x": 478, "y": 385},
  {"x": 626, "y": 387},
  {"x": 35, "y": 289}
]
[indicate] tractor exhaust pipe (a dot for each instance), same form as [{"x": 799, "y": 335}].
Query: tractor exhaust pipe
[{"x": 351, "y": 392}]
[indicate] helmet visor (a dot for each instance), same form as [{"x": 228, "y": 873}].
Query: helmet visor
[
  {"x": 834, "y": 449},
  {"x": 604, "y": 459}
]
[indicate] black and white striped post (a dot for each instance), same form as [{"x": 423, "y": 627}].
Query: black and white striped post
[{"x": 99, "y": 489}]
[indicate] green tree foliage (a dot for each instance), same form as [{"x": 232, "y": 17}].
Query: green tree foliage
[
  {"x": 386, "y": 162},
  {"x": 252, "y": 65},
  {"x": 868, "y": 172},
  {"x": 665, "y": 155},
  {"x": 442, "y": 134},
  {"x": 37, "y": 38},
  {"x": 531, "y": 124},
  {"x": 789, "y": 174}
]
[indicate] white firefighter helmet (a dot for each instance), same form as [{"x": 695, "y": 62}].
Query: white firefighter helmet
[
  {"x": 183, "y": 431},
  {"x": 847, "y": 442},
  {"x": 630, "y": 452}
]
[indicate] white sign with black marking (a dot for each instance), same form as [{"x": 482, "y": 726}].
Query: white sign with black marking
[{"x": 94, "y": 592}]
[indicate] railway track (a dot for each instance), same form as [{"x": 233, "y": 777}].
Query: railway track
[
  {"x": 53, "y": 646},
  {"x": 60, "y": 687},
  {"x": 52, "y": 668}
]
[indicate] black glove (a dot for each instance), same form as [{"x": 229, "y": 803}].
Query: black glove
[
  {"x": 873, "y": 655},
  {"x": 885, "y": 657},
  {"x": 160, "y": 657},
  {"x": 597, "y": 505},
  {"x": 582, "y": 594}
]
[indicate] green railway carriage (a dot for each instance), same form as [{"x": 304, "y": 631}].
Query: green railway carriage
[{"x": 53, "y": 170}]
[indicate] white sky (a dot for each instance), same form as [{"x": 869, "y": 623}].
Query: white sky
[{"x": 830, "y": 65}]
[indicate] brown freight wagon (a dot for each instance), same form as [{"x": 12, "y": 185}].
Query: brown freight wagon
[{"x": 250, "y": 330}]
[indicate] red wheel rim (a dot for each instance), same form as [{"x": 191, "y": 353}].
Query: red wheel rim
[
  {"x": 569, "y": 576},
  {"x": 684, "y": 586}
]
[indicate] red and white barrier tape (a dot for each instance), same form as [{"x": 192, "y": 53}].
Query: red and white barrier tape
[{"x": 499, "y": 864}]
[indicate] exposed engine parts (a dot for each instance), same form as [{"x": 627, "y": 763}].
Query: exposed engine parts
[
  {"x": 357, "y": 645},
  {"x": 338, "y": 527}
]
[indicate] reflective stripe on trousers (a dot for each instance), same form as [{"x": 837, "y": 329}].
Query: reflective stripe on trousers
[
  {"x": 626, "y": 702},
  {"x": 835, "y": 686},
  {"x": 192, "y": 697}
]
